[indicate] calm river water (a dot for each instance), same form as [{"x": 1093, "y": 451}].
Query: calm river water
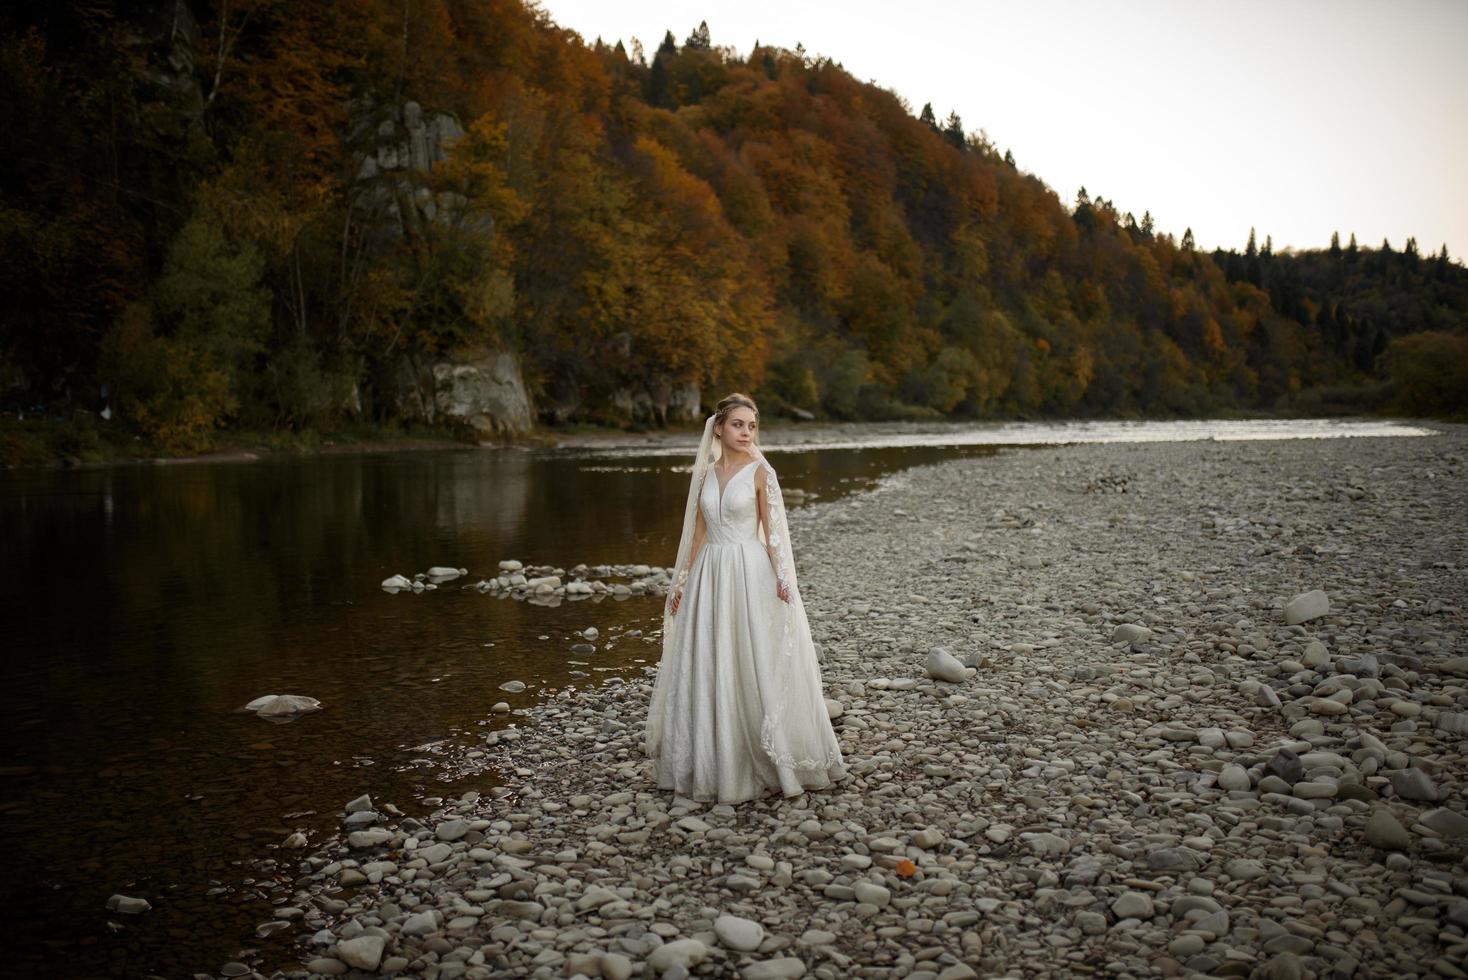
[{"x": 142, "y": 606}]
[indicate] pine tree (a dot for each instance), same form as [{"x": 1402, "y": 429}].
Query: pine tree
[
  {"x": 1335, "y": 244},
  {"x": 928, "y": 117},
  {"x": 953, "y": 130},
  {"x": 1251, "y": 249},
  {"x": 699, "y": 40},
  {"x": 1009, "y": 158},
  {"x": 1268, "y": 246},
  {"x": 1188, "y": 243},
  {"x": 1147, "y": 223},
  {"x": 1351, "y": 248}
]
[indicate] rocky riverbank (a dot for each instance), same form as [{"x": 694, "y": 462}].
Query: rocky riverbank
[{"x": 1165, "y": 761}]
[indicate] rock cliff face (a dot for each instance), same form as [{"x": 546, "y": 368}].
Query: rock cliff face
[
  {"x": 659, "y": 403},
  {"x": 483, "y": 390},
  {"x": 396, "y": 148}
]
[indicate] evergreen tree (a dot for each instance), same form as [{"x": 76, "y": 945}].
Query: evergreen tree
[
  {"x": 1147, "y": 223},
  {"x": 699, "y": 40},
  {"x": 953, "y": 130},
  {"x": 927, "y": 116},
  {"x": 1351, "y": 249},
  {"x": 1009, "y": 158},
  {"x": 1335, "y": 244},
  {"x": 1188, "y": 243},
  {"x": 1251, "y": 249}
]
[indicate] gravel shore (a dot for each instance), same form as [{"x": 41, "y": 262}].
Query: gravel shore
[{"x": 1216, "y": 724}]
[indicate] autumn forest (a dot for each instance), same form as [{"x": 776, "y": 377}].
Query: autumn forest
[{"x": 254, "y": 213}]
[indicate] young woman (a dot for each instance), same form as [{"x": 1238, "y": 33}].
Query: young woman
[{"x": 738, "y": 710}]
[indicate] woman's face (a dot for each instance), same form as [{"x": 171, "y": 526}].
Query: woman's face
[{"x": 738, "y": 430}]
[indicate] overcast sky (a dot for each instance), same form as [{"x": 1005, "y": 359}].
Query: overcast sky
[{"x": 1298, "y": 117}]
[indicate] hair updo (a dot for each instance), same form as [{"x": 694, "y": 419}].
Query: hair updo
[{"x": 731, "y": 402}]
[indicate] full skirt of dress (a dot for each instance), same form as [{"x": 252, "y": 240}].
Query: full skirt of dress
[{"x": 733, "y": 718}]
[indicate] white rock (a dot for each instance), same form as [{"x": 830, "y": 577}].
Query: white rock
[
  {"x": 738, "y": 933},
  {"x": 362, "y": 953},
  {"x": 362, "y": 839},
  {"x": 871, "y": 893},
  {"x": 420, "y": 924},
  {"x": 397, "y": 582},
  {"x": 443, "y": 573},
  {"x": 283, "y": 705},
  {"x": 1130, "y": 633},
  {"x": 686, "y": 953},
  {"x": 451, "y": 830},
  {"x": 834, "y": 709},
  {"x": 127, "y": 905},
  {"x": 1305, "y": 607},
  {"x": 943, "y": 666},
  {"x": 784, "y": 968},
  {"x": 1234, "y": 777}
]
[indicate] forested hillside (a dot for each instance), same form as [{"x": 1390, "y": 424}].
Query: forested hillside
[{"x": 270, "y": 214}]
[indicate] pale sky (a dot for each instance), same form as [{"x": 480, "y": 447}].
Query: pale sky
[{"x": 1298, "y": 117}]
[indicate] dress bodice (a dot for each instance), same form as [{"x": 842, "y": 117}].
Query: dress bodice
[{"x": 732, "y": 518}]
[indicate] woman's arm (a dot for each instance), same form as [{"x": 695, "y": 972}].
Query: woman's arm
[
  {"x": 699, "y": 533},
  {"x": 762, "y": 500}
]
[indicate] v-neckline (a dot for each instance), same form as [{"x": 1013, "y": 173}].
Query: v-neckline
[{"x": 724, "y": 485}]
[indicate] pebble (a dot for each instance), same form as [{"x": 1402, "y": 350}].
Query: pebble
[
  {"x": 362, "y": 953},
  {"x": 739, "y": 933}
]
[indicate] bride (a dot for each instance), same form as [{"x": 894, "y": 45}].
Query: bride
[{"x": 738, "y": 709}]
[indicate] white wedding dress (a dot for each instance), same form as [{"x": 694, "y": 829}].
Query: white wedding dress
[{"x": 731, "y": 717}]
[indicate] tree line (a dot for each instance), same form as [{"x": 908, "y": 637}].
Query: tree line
[{"x": 253, "y": 212}]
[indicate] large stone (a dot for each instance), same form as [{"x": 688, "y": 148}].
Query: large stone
[
  {"x": 943, "y": 666},
  {"x": 686, "y": 953},
  {"x": 1287, "y": 766},
  {"x": 1449, "y": 823},
  {"x": 1234, "y": 777},
  {"x": 127, "y": 905},
  {"x": 1414, "y": 784},
  {"x": 871, "y": 893},
  {"x": 784, "y": 968},
  {"x": 362, "y": 953},
  {"x": 1303, "y": 608},
  {"x": 1130, "y": 633},
  {"x": 282, "y": 707},
  {"x": 738, "y": 933},
  {"x": 1384, "y": 831},
  {"x": 1174, "y": 859},
  {"x": 1132, "y": 905},
  {"x": 451, "y": 830},
  {"x": 1453, "y": 722},
  {"x": 374, "y": 837},
  {"x": 420, "y": 924}
]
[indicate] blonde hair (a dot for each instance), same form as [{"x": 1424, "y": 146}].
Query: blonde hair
[{"x": 732, "y": 401}]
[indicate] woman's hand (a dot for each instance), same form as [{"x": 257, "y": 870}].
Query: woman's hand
[
  {"x": 677, "y": 598},
  {"x": 782, "y": 589}
]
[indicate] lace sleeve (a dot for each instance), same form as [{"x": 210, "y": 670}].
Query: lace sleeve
[
  {"x": 771, "y": 513},
  {"x": 680, "y": 577}
]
